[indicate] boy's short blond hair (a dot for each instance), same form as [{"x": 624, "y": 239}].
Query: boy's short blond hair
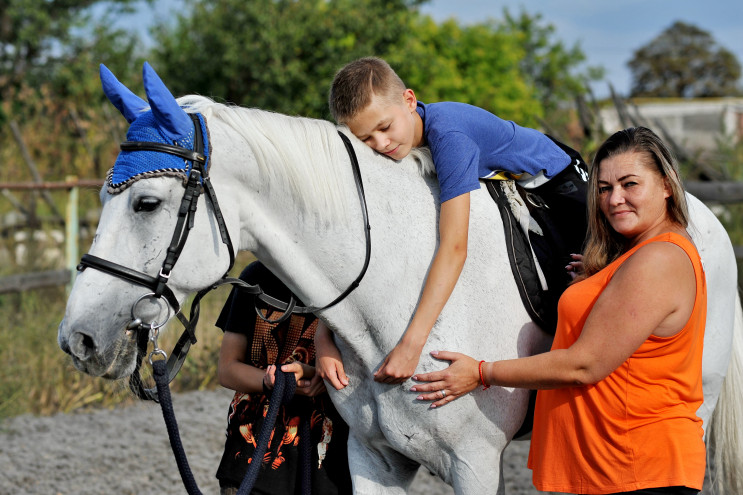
[{"x": 354, "y": 85}]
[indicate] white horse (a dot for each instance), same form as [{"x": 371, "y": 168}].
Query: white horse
[{"x": 287, "y": 194}]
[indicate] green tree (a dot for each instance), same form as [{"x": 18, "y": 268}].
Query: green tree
[
  {"x": 512, "y": 67},
  {"x": 275, "y": 54},
  {"x": 548, "y": 64},
  {"x": 282, "y": 54},
  {"x": 34, "y": 36},
  {"x": 474, "y": 64},
  {"x": 684, "y": 61},
  {"x": 49, "y": 56}
]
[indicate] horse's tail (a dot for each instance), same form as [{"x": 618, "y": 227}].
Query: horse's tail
[{"x": 726, "y": 424}]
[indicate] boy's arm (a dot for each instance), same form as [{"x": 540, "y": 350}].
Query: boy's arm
[
  {"x": 447, "y": 264},
  {"x": 328, "y": 360}
]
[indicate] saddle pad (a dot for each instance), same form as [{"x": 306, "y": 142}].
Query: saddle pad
[{"x": 518, "y": 225}]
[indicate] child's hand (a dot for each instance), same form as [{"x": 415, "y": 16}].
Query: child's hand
[
  {"x": 399, "y": 365},
  {"x": 575, "y": 267},
  {"x": 330, "y": 366},
  {"x": 269, "y": 379},
  {"x": 328, "y": 362},
  {"x": 309, "y": 382}
]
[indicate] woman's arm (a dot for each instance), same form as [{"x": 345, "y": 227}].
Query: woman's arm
[{"x": 652, "y": 293}]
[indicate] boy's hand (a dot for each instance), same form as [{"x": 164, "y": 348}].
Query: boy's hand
[
  {"x": 328, "y": 362},
  {"x": 400, "y": 364}
]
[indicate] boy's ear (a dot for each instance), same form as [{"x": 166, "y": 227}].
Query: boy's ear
[{"x": 410, "y": 100}]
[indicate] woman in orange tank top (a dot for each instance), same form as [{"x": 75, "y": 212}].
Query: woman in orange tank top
[{"x": 619, "y": 390}]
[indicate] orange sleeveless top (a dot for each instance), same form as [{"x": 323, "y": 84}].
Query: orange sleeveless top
[{"x": 637, "y": 428}]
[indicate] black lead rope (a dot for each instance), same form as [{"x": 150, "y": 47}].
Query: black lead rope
[{"x": 282, "y": 393}]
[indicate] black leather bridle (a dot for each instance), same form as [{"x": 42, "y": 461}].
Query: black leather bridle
[{"x": 197, "y": 180}]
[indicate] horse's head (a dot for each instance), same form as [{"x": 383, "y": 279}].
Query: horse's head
[{"x": 135, "y": 245}]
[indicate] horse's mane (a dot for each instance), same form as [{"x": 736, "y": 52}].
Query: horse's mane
[{"x": 300, "y": 153}]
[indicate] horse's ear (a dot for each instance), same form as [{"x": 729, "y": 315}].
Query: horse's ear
[
  {"x": 172, "y": 119},
  {"x": 129, "y": 104}
]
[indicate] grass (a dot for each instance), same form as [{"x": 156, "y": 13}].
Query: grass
[{"x": 37, "y": 377}]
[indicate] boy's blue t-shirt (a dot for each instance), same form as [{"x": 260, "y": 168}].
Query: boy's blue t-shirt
[{"x": 468, "y": 143}]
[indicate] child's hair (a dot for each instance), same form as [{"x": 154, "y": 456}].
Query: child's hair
[
  {"x": 603, "y": 243},
  {"x": 354, "y": 85}
]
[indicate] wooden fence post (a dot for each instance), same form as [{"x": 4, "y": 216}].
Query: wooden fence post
[{"x": 72, "y": 231}]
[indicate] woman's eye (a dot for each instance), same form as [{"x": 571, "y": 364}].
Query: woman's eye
[
  {"x": 146, "y": 203},
  {"x": 604, "y": 189}
]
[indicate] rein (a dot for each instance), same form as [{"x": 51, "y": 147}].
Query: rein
[{"x": 198, "y": 179}]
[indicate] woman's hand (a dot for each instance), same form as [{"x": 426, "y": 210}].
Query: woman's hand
[
  {"x": 308, "y": 382},
  {"x": 575, "y": 267},
  {"x": 460, "y": 378}
]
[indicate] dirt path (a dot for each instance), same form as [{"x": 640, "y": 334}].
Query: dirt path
[{"x": 126, "y": 451}]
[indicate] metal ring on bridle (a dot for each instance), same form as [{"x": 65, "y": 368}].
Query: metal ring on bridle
[{"x": 160, "y": 300}]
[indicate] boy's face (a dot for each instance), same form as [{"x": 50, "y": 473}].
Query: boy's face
[{"x": 392, "y": 129}]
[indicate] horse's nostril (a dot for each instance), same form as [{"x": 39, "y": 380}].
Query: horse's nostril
[{"x": 82, "y": 345}]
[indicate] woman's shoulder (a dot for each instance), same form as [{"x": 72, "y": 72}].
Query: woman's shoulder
[
  {"x": 667, "y": 243},
  {"x": 668, "y": 255}
]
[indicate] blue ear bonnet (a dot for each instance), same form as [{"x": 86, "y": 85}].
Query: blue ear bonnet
[
  {"x": 131, "y": 166},
  {"x": 161, "y": 121}
]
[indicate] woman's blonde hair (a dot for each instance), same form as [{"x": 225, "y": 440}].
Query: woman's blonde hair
[{"x": 603, "y": 243}]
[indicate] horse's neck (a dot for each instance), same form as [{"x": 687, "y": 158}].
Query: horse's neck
[
  {"x": 318, "y": 260},
  {"x": 301, "y": 247}
]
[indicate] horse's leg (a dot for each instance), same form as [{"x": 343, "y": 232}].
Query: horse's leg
[
  {"x": 379, "y": 471},
  {"x": 482, "y": 473}
]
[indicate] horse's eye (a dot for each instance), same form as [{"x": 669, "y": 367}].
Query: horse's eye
[{"x": 146, "y": 203}]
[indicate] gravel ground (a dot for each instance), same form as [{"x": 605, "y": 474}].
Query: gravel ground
[{"x": 126, "y": 451}]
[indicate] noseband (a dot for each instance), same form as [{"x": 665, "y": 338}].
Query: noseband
[{"x": 198, "y": 180}]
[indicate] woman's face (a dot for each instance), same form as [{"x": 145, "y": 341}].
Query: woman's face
[{"x": 632, "y": 196}]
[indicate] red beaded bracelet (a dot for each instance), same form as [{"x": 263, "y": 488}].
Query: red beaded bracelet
[{"x": 485, "y": 386}]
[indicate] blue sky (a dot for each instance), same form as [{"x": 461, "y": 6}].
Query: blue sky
[{"x": 608, "y": 31}]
